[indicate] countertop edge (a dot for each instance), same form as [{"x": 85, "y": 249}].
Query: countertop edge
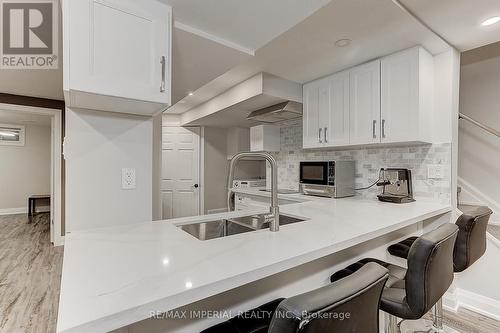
[{"x": 142, "y": 312}]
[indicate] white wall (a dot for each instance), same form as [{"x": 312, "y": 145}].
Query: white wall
[
  {"x": 215, "y": 168},
  {"x": 25, "y": 170},
  {"x": 479, "y": 152},
  {"x": 478, "y": 286},
  {"x": 156, "y": 176},
  {"x": 478, "y": 169},
  {"x": 444, "y": 106},
  {"x": 220, "y": 143},
  {"x": 97, "y": 146}
]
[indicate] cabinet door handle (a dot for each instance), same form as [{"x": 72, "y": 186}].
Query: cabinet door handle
[
  {"x": 373, "y": 129},
  {"x": 326, "y": 138},
  {"x": 163, "y": 62},
  {"x": 383, "y": 128},
  {"x": 319, "y": 136}
]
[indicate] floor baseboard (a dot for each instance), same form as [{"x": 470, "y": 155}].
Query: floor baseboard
[
  {"x": 483, "y": 305},
  {"x": 12, "y": 211},
  {"x": 23, "y": 210}
]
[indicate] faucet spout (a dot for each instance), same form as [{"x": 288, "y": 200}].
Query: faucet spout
[{"x": 274, "y": 208}]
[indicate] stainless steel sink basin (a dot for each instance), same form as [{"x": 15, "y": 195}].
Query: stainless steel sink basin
[
  {"x": 224, "y": 228},
  {"x": 214, "y": 229}
]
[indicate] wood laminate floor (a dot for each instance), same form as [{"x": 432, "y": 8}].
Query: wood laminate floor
[
  {"x": 465, "y": 321},
  {"x": 30, "y": 275}
]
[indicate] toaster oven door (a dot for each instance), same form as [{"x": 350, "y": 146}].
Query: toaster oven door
[{"x": 314, "y": 173}]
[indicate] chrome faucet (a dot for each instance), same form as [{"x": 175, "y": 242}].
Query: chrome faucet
[{"x": 274, "y": 212}]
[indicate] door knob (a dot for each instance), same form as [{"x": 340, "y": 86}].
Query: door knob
[{"x": 196, "y": 185}]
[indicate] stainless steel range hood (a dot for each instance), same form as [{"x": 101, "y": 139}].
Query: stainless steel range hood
[
  {"x": 276, "y": 113},
  {"x": 275, "y": 99}
]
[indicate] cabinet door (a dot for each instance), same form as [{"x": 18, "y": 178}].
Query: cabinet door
[
  {"x": 311, "y": 132},
  {"x": 324, "y": 112},
  {"x": 338, "y": 129},
  {"x": 400, "y": 96},
  {"x": 119, "y": 48},
  {"x": 364, "y": 115}
]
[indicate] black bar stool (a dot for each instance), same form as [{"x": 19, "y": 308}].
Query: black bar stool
[
  {"x": 469, "y": 247},
  {"x": 348, "y": 305},
  {"x": 410, "y": 293}
]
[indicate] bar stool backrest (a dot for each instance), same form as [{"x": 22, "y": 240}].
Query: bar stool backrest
[
  {"x": 350, "y": 304},
  {"x": 471, "y": 239},
  {"x": 430, "y": 268}
]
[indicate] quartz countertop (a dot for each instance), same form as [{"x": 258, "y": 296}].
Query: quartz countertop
[{"x": 115, "y": 276}]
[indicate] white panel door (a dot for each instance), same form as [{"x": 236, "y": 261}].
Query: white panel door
[
  {"x": 180, "y": 171},
  {"x": 338, "y": 131},
  {"x": 311, "y": 129},
  {"x": 117, "y": 48},
  {"x": 364, "y": 122},
  {"x": 400, "y": 96}
]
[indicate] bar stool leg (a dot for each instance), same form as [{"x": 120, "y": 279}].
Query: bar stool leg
[
  {"x": 29, "y": 210},
  {"x": 428, "y": 326},
  {"x": 392, "y": 325},
  {"x": 437, "y": 316}
]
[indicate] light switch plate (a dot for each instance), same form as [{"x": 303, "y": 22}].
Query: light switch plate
[{"x": 128, "y": 179}]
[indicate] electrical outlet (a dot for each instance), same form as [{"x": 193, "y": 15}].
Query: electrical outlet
[
  {"x": 128, "y": 178},
  {"x": 435, "y": 171}
]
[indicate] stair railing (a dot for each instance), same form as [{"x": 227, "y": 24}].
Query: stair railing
[{"x": 478, "y": 124}]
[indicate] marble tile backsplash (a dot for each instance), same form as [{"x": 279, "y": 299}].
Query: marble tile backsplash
[{"x": 368, "y": 163}]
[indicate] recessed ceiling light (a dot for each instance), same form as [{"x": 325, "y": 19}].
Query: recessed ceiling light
[
  {"x": 190, "y": 93},
  {"x": 490, "y": 21},
  {"x": 343, "y": 42}
]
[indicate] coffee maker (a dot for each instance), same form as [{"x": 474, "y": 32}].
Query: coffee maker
[{"x": 397, "y": 185}]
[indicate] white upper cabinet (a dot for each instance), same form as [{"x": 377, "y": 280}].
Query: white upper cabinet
[
  {"x": 312, "y": 136},
  {"x": 326, "y": 112},
  {"x": 389, "y": 100},
  {"x": 117, "y": 55},
  {"x": 338, "y": 128},
  {"x": 364, "y": 114},
  {"x": 407, "y": 80}
]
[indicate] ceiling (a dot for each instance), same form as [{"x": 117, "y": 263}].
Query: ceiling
[
  {"x": 290, "y": 38},
  {"x": 249, "y": 24},
  {"x": 459, "y": 21},
  {"x": 307, "y": 51},
  {"x": 197, "y": 61},
  {"x": 36, "y": 83},
  {"x": 23, "y": 118}
]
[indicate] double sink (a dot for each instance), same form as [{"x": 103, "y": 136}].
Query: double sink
[{"x": 227, "y": 227}]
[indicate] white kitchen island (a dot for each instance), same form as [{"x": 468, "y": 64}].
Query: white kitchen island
[{"x": 117, "y": 276}]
